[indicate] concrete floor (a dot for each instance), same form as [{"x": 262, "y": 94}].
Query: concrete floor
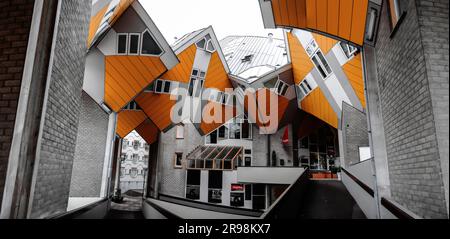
[
  {"x": 329, "y": 199},
  {"x": 130, "y": 208}
]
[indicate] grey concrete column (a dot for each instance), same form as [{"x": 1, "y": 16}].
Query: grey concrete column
[{"x": 375, "y": 123}]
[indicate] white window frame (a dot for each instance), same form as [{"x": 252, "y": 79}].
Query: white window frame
[
  {"x": 142, "y": 43},
  {"x": 164, "y": 82},
  {"x": 285, "y": 86},
  {"x": 321, "y": 64},
  {"x": 352, "y": 53},
  {"x": 198, "y": 79},
  {"x": 179, "y": 134},
  {"x": 314, "y": 44},
  {"x": 126, "y": 44},
  {"x": 175, "y": 165},
  {"x": 138, "y": 44},
  {"x": 208, "y": 42}
]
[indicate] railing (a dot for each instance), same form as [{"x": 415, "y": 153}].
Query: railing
[
  {"x": 78, "y": 213},
  {"x": 209, "y": 206},
  {"x": 288, "y": 204},
  {"x": 386, "y": 203}
]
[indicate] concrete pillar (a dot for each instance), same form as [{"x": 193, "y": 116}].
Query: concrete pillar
[{"x": 375, "y": 124}]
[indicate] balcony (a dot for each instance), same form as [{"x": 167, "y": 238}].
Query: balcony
[{"x": 269, "y": 175}]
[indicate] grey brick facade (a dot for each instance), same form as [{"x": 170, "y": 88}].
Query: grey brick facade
[
  {"x": 434, "y": 24},
  {"x": 354, "y": 131},
  {"x": 90, "y": 150},
  {"x": 15, "y": 21},
  {"x": 61, "y": 112},
  {"x": 406, "y": 91},
  {"x": 171, "y": 179}
]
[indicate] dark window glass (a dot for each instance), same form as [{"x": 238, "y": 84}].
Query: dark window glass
[
  {"x": 167, "y": 87},
  {"x": 248, "y": 192},
  {"x": 159, "y": 85},
  {"x": 215, "y": 179},
  {"x": 324, "y": 62},
  {"x": 222, "y": 132},
  {"x": 248, "y": 161},
  {"x": 307, "y": 85},
  {"x": 149, "y": 45},
  {"x": 193, "y": 177},
  {"x": 245, "y": 130},
  {"x": 213, "y": 137},
  {"x": 259, "y": 189},
  {"x": 122, "y": 44},
  {"x": 259, "y": 202},
  {"x": 134, "y": 44},
  {"x": 319, "y": 68},
  {"x": 248, "y": 151},
  {"x": 237, "y": 199},
  {"x": 191, "y": 86}
]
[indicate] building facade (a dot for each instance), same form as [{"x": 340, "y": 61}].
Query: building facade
[{"x": 134, "y": 162}]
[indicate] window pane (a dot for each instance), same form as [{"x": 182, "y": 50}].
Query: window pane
[
  {"x": 284, "y": 90},
  {"x": 191, "y": 86},
  {"x": 167, "y": 87},
  {"x": 122, "y": 44},
  {"x": 304, "y": 89},
  {"x": 307, "y": 85},
  {"x": 319, "y": 67},
  {"x": 215, "y": 179},
  {"x": 246, "y": 130},
  {"x": 201, "y": 44},
  {"x": 134, "y": 44},
  {"x": 149, "y": 45},
  {"x": 324, "y": 62},
  {"x": 210, "y": 46},
  {"x": 159, "y": 85}
]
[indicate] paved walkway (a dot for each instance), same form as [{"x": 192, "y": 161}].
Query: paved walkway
[
  {"x": 129, "y": 208},
  {"x": 326, "y": 199}
]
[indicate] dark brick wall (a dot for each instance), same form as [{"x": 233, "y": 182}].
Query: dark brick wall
[
  {"x": 61, "y": 111},
  {"x": 90, "y": 150},
  {"x": 15, "y": 21},
  {"x": 354, "y": 132},
  {"x": 406, "y": 103}
]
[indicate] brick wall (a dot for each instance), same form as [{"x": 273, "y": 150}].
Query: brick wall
[
  {"x": 15, "y": 21},
  {"x": 407, "y": 109},
  {"x": 354, "y": 131},
  {"x": 90, "y": 149},
  {"x": 434, "y": 24},
  {"x": 61, "y": 111},
  {"x": 172, "y": 180}
]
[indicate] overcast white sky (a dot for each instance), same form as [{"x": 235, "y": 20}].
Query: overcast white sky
[{"x": 175, "y": 18}]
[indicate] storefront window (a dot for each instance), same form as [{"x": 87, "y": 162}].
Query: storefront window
[
  {"x": 193, "y": 184},
  {"x": 215, "y": 186}
]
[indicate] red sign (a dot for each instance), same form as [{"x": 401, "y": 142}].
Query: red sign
[{"x": 237, "y": 187}]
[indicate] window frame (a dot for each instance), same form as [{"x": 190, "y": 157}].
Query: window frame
[
  {"x": 163, "y": 86},
  {"x": 175, "y": 165},
  {"x": 284, "y": 88},
  {"x": 138, "y": 50},
  {"x": 154, "y": 39},
  {"x": 179, "y": 135},
  {"x": 195, "y": 80},
  {"x": 321, "y": 64},
  {"x": 126, "y": 44},
  {"x": 399, "y": 12}
]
